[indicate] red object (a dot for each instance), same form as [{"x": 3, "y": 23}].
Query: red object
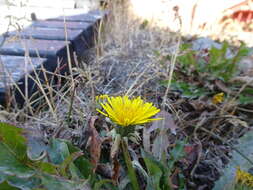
[
  {"x": 243, "y": 15},
  {"x": 242, "y": 12}
]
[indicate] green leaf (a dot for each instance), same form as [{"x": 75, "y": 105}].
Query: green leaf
[
  {"x": 53, "y": 183},
  {"x": 185, "y": 46},
  {"x": 182, "y": 182},
  {"x": 154, "y": 171},
  {"x": 242, "y": 52},
  {"x": 83, "y": 164},
  {"x": 176, "y": 153},
  {"x": 36, "y": 148},
  {"x": 248, "y": 91},
  {"x": 11, "y": 166},
  {"x": 6, "y": 186},
  {"x": 47, "y": 168},
  {"x": 244, "y": 146},
  {"x": 219, "y": 65},
  {"x": 188, "y": 90},
  {"x": 14, "y": 140},
  {"x": 21, "y": 183},
  {"x": 100, "y": 183},
  {"x": 2, "y": 177},
  {"x": 68, "y": 164},
  {"x": 18, "y": 171},
  {"x": 245, "y": 99},
  {"x": 58, "y": 151},
  {"x": 24, "y": 183},
  {"x": 187, "y": 59}
]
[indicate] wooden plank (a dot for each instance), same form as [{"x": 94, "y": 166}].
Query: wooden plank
[
  {"x": 46, "y": 33},
  {"x": 34, "y": 47},
  {"x": 17, "y": 75},
  {"x": 61, "y": 25},
  {"x": 54, "y": 51},
  {"x": 13, "y": 68},
  {"x": 80, "y": 39},
  {"x": 99, "y": 14},
  {"x": 46, "y": 40},
  {"x": 92, "y": 18},
  {"x": 40, "y": 12}
]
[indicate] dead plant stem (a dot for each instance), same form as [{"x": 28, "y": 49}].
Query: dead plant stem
[
  {"x": 71, "y": 105},
  {"x": 171, "y": 71}
]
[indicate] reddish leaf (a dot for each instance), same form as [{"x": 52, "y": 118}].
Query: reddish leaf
[
  {"x": 192, "y": 153},
  {"x": 95, "y": 143},
  {"x": 116, "y": 169}
]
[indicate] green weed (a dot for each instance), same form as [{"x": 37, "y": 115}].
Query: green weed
[
  {"x": 27, "y": 163},
  {"x": 159, "y": 172},
  {"x": 197, "y": 72},
  {"x": 39, "y": 166}
]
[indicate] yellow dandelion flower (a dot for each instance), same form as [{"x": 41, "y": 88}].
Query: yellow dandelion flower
[
  {"x": 127, "y": 112},
  {"x": 218, "y": 98},
  {"x": 101, "y": 97},
  {"x": 244, "y": 178}
]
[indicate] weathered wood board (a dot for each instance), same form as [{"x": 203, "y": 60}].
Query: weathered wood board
[
  {"x": 34, "y": 47},
  {"x": 17, "y": 77},
  {"x": 44, "y": 45}
]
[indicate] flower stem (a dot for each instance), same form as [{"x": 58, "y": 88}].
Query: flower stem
[{"x": 130, "y": 169}]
